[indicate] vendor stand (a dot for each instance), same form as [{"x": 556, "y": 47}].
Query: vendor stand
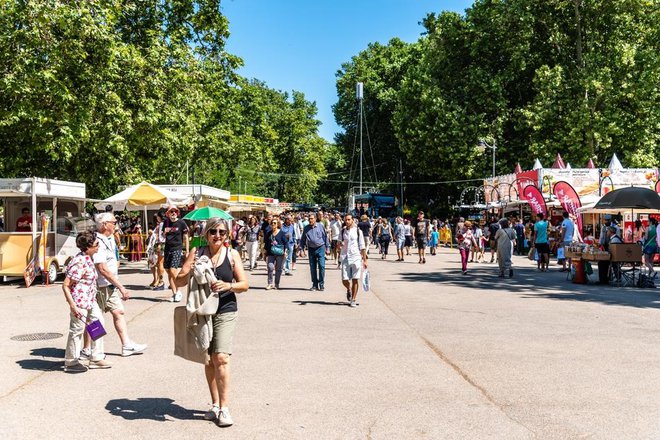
[{"x": 625, "y": 262}]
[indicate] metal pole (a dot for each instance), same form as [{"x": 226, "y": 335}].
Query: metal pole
[
  {"x": 493, "y": 148},
  {"x": 359, "y": 92},
  {"x": 401, "y": 175},
  {"x": 360, "y": 146}
]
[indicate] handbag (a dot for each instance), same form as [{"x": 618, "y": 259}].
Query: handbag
[
  {"x": 561, "y": 255},
  {"x": 95, "y": 329},
  {"x": 365, "y": 280},
  {"x": 184, "y": 342},
  {"x": 277, "y": 249},
  {"x": 651, "y": 248}
]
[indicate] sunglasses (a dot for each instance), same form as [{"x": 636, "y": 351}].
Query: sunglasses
[{"x": 217, "y": 231}]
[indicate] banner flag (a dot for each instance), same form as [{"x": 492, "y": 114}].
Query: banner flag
[
  {"x": 657, "y": 186},
  {"x": 535, "y": 199},
  {"x": 570, "y": 201}
]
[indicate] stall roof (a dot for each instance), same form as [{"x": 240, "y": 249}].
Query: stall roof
[
  {"x": 198, "y": 190},
  {"x": 23, "y": 187}
]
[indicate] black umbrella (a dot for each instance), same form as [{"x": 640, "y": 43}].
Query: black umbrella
[{"x": 629, "y": 198}]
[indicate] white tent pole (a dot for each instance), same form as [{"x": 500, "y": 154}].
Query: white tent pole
[{"x": 145, "y": 227}]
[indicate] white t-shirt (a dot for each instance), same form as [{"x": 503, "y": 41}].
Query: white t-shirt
[
  {"x": 335, "y": 229},
  {"x": 353, "y": 244},
  {"x": 407, "y": 230},
  {"x": 570, "y": 229},
  {"x": 106, "y": 254}
]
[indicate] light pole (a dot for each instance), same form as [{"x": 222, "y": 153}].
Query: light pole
[{"x": 482, "y": 145}]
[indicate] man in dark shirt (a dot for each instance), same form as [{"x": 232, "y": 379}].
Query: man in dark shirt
[
  {"x": 364, "y": 226},
  {"x": 492, "y": 229},
  {"x": 316, "y": 240},
  {"x": 520, "y": 236},
  {"x": 265, "y": 233}
]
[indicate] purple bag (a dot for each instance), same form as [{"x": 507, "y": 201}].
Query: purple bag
[{"x": 95, "y": 330}]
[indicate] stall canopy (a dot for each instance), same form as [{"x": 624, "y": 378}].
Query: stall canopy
[{"x": 143, "y": 195}]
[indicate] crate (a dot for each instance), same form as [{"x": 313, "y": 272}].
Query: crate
[
  {"x": 599, "y": 256},
  {"x": 626, "y": 252},
  {"x": 572, "y": 254}
]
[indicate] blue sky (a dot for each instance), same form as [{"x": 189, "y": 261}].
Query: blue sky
[{"x": 300, "y": 44}]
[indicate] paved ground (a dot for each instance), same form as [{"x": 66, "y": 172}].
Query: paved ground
[{"x": 429, "y": 353}]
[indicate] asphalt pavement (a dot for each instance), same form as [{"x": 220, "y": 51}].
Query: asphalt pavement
[{"x": 429, "y": 353}]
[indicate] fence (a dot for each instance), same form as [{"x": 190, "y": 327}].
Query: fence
[{"x": 133, "y": 246}]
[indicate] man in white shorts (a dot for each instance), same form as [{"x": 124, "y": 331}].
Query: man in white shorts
[
  {"x": 353, "y": 258},
  {"x": 111, "y": 291}
]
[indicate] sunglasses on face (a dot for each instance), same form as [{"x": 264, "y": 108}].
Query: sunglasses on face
[{"x": 217, "y": 232}]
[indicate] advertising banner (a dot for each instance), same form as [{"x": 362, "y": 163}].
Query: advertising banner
[
  {"x": 583, "y": 180},
  {"x": 526, "y": 178},
  {"x": 569, "y": 200},
  {"x": 535, "y": 199}
]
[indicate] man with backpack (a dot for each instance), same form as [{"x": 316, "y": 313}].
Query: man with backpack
[{"x": 353, "y": 258}]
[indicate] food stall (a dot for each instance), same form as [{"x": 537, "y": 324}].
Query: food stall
[{"x": 44, "y": 199}]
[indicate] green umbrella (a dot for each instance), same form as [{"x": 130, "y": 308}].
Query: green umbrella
[{"x": 206, "y": 213}]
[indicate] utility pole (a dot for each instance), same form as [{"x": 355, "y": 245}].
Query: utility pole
[
  {"x": 360, "y": 96},
  {"x": 401, "y": 184}
]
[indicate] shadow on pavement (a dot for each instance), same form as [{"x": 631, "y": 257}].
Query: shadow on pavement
[
  {"x": 40, "y": 364},
  {"x": 144, "y": 298},
  {"x": 151, "y": 408},
  {"x": 531, "y": 283},
  {"x": 137, "y": 287},
  {"x": 321, "y": 303},
  {"x": 51, "y": 352}
]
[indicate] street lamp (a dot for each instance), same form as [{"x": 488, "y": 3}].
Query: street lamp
[{"x": 482, "y": 145}]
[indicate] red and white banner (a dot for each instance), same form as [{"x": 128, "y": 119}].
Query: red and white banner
[
  {"x": 535, "y": 199},
  {"x": 569, "y": 200}
]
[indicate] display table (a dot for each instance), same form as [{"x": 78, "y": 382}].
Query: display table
[{"x": 625, "y": 264}]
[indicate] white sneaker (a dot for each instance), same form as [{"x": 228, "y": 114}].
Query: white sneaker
[
  {"x": 224, "y": 418},
  {"x": 353, "y": 304},
  {"x": 129, "y": 350},
  {"x": 212, "y": 413},
  {"x": 177, "y": 297},
  {"x": 85, "y": 354}
]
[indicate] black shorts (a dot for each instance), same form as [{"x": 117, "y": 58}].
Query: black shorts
[
  {"x": 173, "y": 259},
  {"x": 334, "y": 244},
  {"x": 408, "y": 240},
  {"x": 421, "y": 242},
  {"x": 542, "y": 248}
]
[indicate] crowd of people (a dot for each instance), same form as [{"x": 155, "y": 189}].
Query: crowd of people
[{"x": 93, "y": 287}]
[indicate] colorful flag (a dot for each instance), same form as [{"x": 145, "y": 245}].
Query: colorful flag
[
  {"x": 535, "y": 199},
  {"x": 570, "y": 201}
]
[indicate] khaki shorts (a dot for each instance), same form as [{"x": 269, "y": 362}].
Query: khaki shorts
[
  {"x": 109, "y": 299},
  {"x": 224, "y": 326}
]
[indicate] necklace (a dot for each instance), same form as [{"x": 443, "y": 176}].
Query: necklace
[{"x": 217, "y": 257}]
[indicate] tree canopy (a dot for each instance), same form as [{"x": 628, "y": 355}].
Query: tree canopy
[
  {"x": 535, "y": 78},
  {"x": 109, "y": 93}
]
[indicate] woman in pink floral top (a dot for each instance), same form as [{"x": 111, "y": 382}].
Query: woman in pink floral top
[
  {"x": 80, "y": 293},
  {"x": 465, "y": 241}
]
